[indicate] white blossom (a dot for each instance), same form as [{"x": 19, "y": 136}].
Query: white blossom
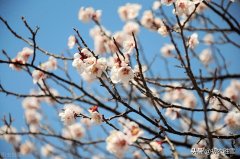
[
  {"x": 117, "y": 143},
  {"x": 193, "y": 40},
  {"x": 206, "y": 56},
  {"x": 71, "y": 41},
  {"x": 69, "y": 114},
  {"x": 129, "y": 11}
]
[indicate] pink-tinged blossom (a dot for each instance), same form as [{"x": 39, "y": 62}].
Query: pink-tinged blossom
[
  {"x": 71, "y": 41},
  {"x": 49, "y": 65},
  {"x": 11, "y": 138},
  {"x": 122, "y": 74},
  {"x": 156, "y": 146},
  {"x": 184, "y": 7},
  {"x": 131, "y": 27},
  {"x": 75, "y": 131},
  {"x": 128, "y": 45},
  {"x": 147, "y": 19},
  {"x": 163, "y": 31},
  {"x": 32, "y": 117},
  {"x": 26, "y": 148},
  {"x": 21, "y": 58},
  {"x": 117, "y": 143},
  {"x": 30, "y": 103},
  {"x": 96, "y": 117},
  {"x": 38, "y": 75},
  {"x": 167, "y": 50},
  {"x": 131, "y": 129},
  {"x": 193, "y": 41},
  {"x": 167, "y": 2},
  {"x": 189, "y": 100},
  {"x": 208, "y": 39},
  {"x": 70, "y": 113},
  {"x": 232, "y": 120},
  {"x": 47, "y": 150},
  {"x": 87, "y": 14},
  {"x": 206, "y": 56},
  {"x": 129, "y": 11}
]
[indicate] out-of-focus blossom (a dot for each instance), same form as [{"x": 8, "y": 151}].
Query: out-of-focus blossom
[
  {"x": 87, "y": 14},
  {"x": 131, "y": 27},
  {"x": 129, "y": 11},
  {"x": 69, "y": 114},
  {"x": 163, "y": 30},
  {"x": 167, "y": 2},
  {"x": 26, "y": 148},
  {"x": 206, "y": 56},
  {"x": 232, "y": 120},
  {"x": 30, "y": 103},
  {"x": 156, "y": 5},
  {"x": 156, "y": 146},
  {"x": 74, "y": 131},
  {"x": 208, "y": 39},
  {"x": 71, "y": 41},
  {"x": 47, "y": 150},
  {"x": 49, "y": 65},
  {"x": 11, "y": 138},
  {"x": 167, "y": 50},
  {"x": 38, "y": 75},
  {"x": 32, "y": 117},
  {"x": 117, "y": 143},
  {"x": 193, "y": 41},
  {"x": 201, "y": 145},
  {"x": 128, "y": 45}
]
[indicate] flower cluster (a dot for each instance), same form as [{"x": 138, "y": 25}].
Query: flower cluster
[
  {"x": 22, "y": 58},
  {"x": 118, "y": 142}
]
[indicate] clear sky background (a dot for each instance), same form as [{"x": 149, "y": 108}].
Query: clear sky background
[{"x": 56, "y": 19}]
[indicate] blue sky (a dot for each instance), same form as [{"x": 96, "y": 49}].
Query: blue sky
[{"x": 56, "y": 20}]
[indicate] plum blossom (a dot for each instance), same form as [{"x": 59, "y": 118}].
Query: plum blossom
[
  {"x": 232, "y": 120},
  {"x": 129, "y": 11},
  {"x": 184, "y": 7},
  {"x": 163, "y": 31},
  {"x": 131, "y": 27},
  {"x": 71, "y": 41},
  {"x": 27, "y": 148},
  {"x": 32, "y": 117},
  {"x": 49, "y": 65},
  {"x": 38, "y": 76},
  {"x": 193, "y": 40},
  {"x": 156, "y": 5},
  {"x": 11, "y": 138},
  {"x": 131, "y": 129},
  {"x": 149, "y": 21},
  {"x": 167, "y": 50},
  {"x": 30, "y": 103},
  {"x": 206, "y": 56},
  {"x": 96, "y": 117},
  {"x": 122, "y": 74},
  {"x": 47, "y": 150},
  {"x": 117, "y": 143},
  {"x": 128, "y": 45},
  {"x": 167, "y": 2},
  {"x": 69, "y": 114},
  {"x": 22, "y": 58},
  {"x": 208, "y": 39},
  {"x": 156, "y": 146},
  {"x": 75, "y": 131},
  {"x": 87, "y": 14}
]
